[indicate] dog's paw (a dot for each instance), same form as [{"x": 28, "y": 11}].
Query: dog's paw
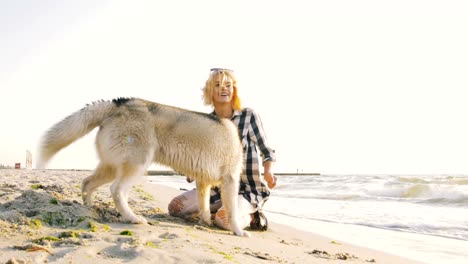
[
  {"x": 202, "y": 222},
  {"x": 86, "y": 199},
  {"x": 242, "y": 233},
  {"x": 138, "y": 220},
  {"x": 206, "y": 219}
]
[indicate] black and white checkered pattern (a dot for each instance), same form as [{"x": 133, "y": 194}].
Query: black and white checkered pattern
[{"x": 252, "y": 186}]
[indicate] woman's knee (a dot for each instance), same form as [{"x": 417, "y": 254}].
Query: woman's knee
[{"x": 176, "y": 206}]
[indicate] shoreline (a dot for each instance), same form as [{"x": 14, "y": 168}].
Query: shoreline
[
  {"x": 414, "y": 246},
  {"x": 422, "y": 247},
  {"x": 84, "y": 234}
]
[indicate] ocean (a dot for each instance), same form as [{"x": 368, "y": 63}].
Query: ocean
[{"x": 421, "y": 217}]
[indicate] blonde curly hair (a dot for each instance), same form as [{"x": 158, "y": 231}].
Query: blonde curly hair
[{"x": 210, "y": 84}]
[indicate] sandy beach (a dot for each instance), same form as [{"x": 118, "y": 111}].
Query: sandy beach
[{"x": 43, "y": 220}]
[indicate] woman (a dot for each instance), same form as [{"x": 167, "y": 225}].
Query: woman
[{"x": 220, "y": 91}]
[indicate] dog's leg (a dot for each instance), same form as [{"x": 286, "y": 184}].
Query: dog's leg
[
  {"x": 102, "y": 175},
  {"x": 120, "y": 188},
  {"x": 204, "y": 200},
  {"x": 229, "y": 196}
]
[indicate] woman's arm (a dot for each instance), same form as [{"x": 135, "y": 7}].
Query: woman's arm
[{"x": 258, "y": 136}]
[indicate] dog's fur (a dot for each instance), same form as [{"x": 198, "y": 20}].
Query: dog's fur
[{"x": 133, "y": 133}]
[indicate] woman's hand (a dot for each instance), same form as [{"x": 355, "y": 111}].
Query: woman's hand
[
  {"x": 270, "y": 179},
  {"x": 268, "y": 175}
]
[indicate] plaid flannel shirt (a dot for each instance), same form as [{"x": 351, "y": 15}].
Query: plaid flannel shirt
[{"x": 252, "y": 184}]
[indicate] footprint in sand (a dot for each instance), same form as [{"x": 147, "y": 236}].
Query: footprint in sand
[{"x": 168, "y": 235}]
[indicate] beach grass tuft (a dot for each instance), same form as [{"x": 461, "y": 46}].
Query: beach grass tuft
[
  {"x": 54, "y": 218},
  {"x": 37, "y": 186},
  {"x": 151, "y": 245},
  {"x": 143, "y": 195},
  {"x": 92, "y": 227},
  {"x": 126, "y": 233},
  {"x": 46, "y": 238},
  {"x": 70, "y": 234},
  {"x": 224, "y": 254},
  {"x": 35, "y": 224}
]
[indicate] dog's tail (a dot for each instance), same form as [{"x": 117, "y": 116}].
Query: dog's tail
[{"x": 72, "y": 128}]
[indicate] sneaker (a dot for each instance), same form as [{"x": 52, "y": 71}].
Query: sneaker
[{"x": 259, "y": 222}]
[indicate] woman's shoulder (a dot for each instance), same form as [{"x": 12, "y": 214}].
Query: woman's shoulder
[{"x": 248, "y": 110}]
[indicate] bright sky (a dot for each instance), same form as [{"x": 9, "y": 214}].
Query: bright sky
[{"x": 341, "y": 86}]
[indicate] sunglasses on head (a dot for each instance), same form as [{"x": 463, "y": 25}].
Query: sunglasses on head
[{"x": 220, "y": 70}]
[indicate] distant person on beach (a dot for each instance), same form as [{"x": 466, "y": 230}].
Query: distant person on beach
[{"x": 220, "y": 91}]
